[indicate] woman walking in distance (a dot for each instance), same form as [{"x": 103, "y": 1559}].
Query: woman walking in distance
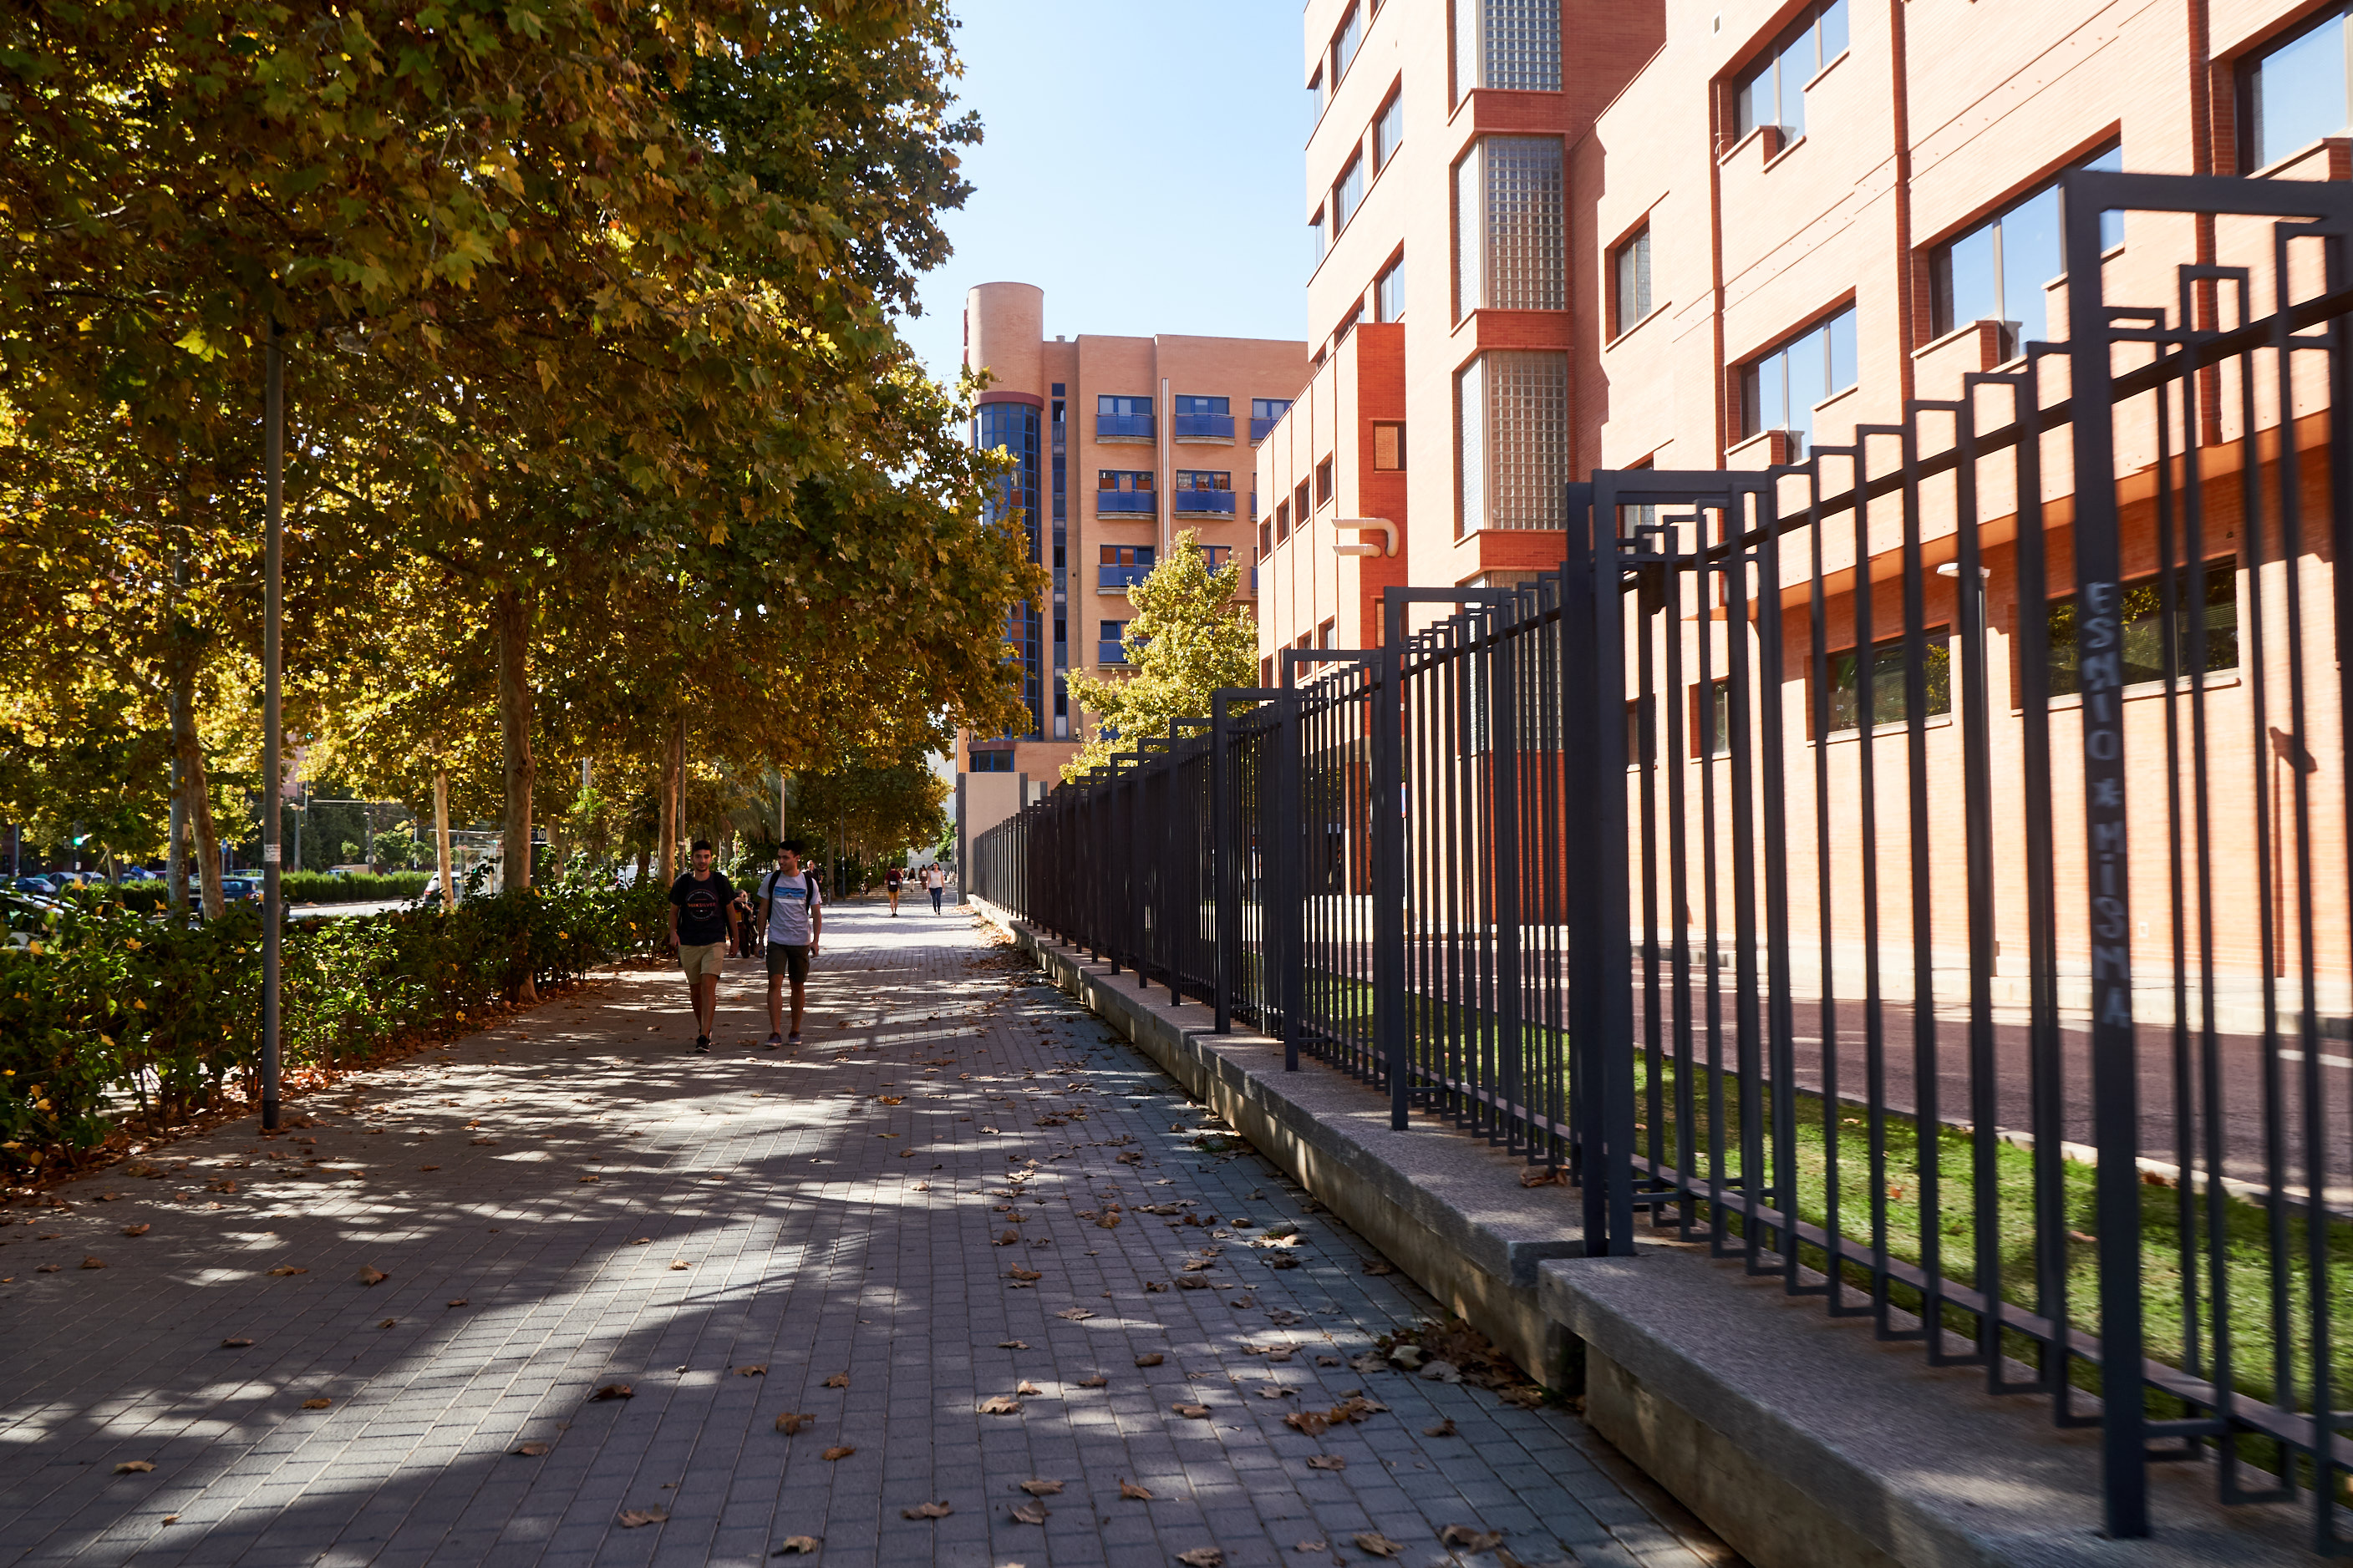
[
  {"x": 794, "y": 909},
  {"x": 892, "y": 880}
]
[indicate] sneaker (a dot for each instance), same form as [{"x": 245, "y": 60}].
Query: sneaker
[
  {"x": 793, "y": 1039},
  {"x": 775, "y": 1039},
  {"x": 703, "y": 1043}
]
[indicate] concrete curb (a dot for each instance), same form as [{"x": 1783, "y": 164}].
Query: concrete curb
[{"x": 1799, "y": 1439}]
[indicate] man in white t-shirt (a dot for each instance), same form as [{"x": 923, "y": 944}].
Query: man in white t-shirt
[{"x": 793, "y": 907}]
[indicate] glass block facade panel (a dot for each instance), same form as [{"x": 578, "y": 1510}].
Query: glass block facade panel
[
  {"x": 1014, "y": 426},
  {"x": 1509, "y": 44},
  {"x": 1521, "y": 264},
  {"x": 1514, "y": 413}
]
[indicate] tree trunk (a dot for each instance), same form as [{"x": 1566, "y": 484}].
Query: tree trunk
[
  {"x": 441, "y": 836},
  {"x": 665, "y": 814},
  {"x": 512, "y": 620},
  {"x": 679, "y": 840}
]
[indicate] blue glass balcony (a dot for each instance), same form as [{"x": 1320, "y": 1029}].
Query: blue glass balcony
[
  {"x": 1217, "y": 501},
  {"x": 1110, "y": 653},
  {"x": 1124, "y": 428},
  {"x": 1126, "y": 503},
  {"x": 1204, "y": 427},
  {"x": 1262, "y": 428},
  {"x": 1253, "y": 582},
  {"x": 1121, "y": 578}
]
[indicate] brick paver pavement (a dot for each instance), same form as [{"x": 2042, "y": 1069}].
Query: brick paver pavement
[{"x": 573, "y": 1201}]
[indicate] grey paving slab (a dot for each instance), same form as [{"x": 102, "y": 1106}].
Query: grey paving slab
[{"x": 571, "y": 1199}]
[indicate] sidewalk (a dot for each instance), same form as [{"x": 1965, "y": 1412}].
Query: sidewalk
[{"x": 574, "y": 1201}]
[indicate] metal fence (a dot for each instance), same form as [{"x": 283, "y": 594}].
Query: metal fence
[{"x": 1908, "y": 870}]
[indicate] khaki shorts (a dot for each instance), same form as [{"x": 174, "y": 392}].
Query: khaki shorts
[{"x": 703, "y": 962}]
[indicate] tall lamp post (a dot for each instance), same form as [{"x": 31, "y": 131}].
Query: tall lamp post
[{"x": 273, "y": 897}]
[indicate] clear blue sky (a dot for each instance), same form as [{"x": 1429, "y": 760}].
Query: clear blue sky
[{"x": 1142, "y": 166}]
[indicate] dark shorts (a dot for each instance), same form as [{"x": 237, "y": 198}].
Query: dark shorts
[{"x": 789, "y": 960}]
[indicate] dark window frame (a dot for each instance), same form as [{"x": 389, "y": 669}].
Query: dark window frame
[
  {"x": 1627, "y": 313},
  {"x": 1941, "y": 304},
  {"x": 2247, "y": 74},
  {"x": 2221, "y": 573}
]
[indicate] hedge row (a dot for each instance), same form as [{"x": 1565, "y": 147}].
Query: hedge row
[
  {"x": 113, "y": 1019},
  {"x": 301, "y": 887}
]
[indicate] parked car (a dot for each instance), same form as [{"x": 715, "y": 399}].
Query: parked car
[
  {"x": 237, "y": 890},
  {"x": 29, "y": 916},
  {"x": 39, "y": 887}
]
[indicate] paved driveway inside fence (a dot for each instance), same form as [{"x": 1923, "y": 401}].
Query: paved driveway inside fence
[{"x": 974, "y": 1252}]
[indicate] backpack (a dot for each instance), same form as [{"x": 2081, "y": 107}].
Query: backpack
[{"x": 809, "y": 887}]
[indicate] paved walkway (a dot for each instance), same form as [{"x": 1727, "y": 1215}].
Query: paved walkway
[{"x": 574, "y": 1201}]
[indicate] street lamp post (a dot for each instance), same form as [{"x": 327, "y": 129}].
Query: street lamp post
[{"x": 273, "y": 902}]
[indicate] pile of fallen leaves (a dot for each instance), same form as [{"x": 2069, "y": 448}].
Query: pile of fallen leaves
[{"x": 1457, "y": 1345}]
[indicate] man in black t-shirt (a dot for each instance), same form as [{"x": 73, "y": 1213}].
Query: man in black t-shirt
[{"x": 702, "y": 912}]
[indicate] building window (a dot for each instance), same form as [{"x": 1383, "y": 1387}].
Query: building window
[
  {"x": 1217, "y": 556},
  {"x": 1388, "y": 448},
  {"x": 1513, "y": 45},
  {"x": 2001, "y": 270},
  {"x": 1779, "y": 389},
  {"x": 1300, "y": 505},
  {"x": 1641, "y": 744},
  {"x": 1388, "y": 130},
  {"x": 1107, "y": 649},
  {"x": 2142, "y": 652},
  {"x": 1266, "y": 535},
  {"x": 1014, "y": 428},
  {"x": 1345, "y": 42},
  {"x": 1711, "y": 719},
  {"x": 1773, "y": 92},
  {"x": 1629, "y": 277},
  {"x": 1512, "y": 413},
  {"x": 1324, "y": 481},
  {"x": 1203, "y": 479},
  {"x": 2294, "y": 93},
  {"x": 1887, "y": 683},
  {"x": 1508, "y": 226},
  {"x": 1281, "y": 521},
  {"x": 1124, "y": 555},
  {"x": 1265, "y": 412},
  {"x": 1347, "y": 194},
  {"x": 1317, "y": 240},
  {"x": 1124, "y": 479},
  {"x": 1388, "y": 293},
  {"x": 990, "y": 762},
  {"x": 1184, "y": 405}
]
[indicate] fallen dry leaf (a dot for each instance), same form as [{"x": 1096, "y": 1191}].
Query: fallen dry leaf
[
  {"x": 1012, "y": 1344},
  {"x": 1029, "y": 1387},
  {"x": 1312, "y": 1546},
  {"x": 1007, "y": 1240},
  {"x": 367, "y": 1276},
  {"x": 457, "y": 1301},
  {"x": 1154, "y": 1359},
  {"x": 1156, "y": 1287},
  {"x": 839, "y": 1380},
  {"x": 999, "y": 1404},
  {"x": 838, "y": 1451},
  {"x": 286, "y": 1270},
  {"x": 1076, "y": 1314},
  {"x": 1376, "y": 1266},
  {"x": 1471, "y": 1538},
  {"x": 133, "y": 1468},
  {"x": 532, "y": 1450},
  {"x": 1132, "y": 1492},
  {"x": 615, "y": 1391},
  {"x": 1017, "y": 1272},
  {"x": 317, "y": 1404},
  {"x": 642, "y": 1241},
  {"x": 136, "y": 1229},
  {"x": 1030, "y": 1513},
  {"x": 1097, "y": 1381},
  {"x": 1326, "y": 1462},
  {"x": 792, "y": 1421},
  {"x": 429, "y": 1167},
  {"x": 757, "y": 1369},
  {"x": 1110, "y": 1221},
  {"x": 1191, "y": 1412},
  {"x": 678, "y": 1263},
  {"x": 632, "y": 1518},
  {"x": 588, "y": 1178},
  {"x": 93, "y": 1263},
  {"x": 390, "y": 1324},
  {"x": 49, "y": 1268},
  {"x": 1043, "y": 1488},
  {"x": 1379, "y": 1545},
  {"x": 796, "y": 1545},
  {"x": 1202, "y": 1556},
  {"x": 926, "y": 1510},
  {"x": 235, "y": 1345},
  {"x": 1544, "y": 1177}
]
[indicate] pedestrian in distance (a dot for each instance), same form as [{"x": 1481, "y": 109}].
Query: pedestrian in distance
[
  {"x": 701, "y": 914},
  {"x": 891, "y": 880},
  {"x": 936, "y": 880},
  {"x": 748, "y": 923},
  {"x": 792, "y": 909}
]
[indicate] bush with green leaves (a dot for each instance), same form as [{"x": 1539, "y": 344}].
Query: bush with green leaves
[{"x": 111, "y": 1020}]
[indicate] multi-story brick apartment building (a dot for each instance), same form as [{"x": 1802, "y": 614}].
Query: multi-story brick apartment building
[
  {"x": 1555, "y": 236},
  {"x": 1120, "y": 444}
]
